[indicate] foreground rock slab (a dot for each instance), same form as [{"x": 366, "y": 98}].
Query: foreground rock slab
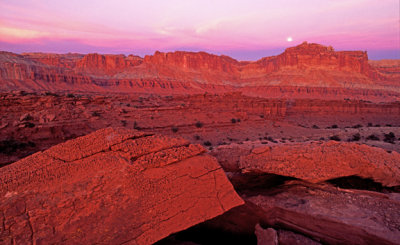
[
  {"x": 331, "y": 215},
  {"x": 321, "y": 161},
  {"x": 113, "y": 186}
]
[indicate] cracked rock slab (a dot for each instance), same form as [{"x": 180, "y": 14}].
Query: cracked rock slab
[
  {"x": 113, "y": 186},
  {"x": 321, "y": 161}
]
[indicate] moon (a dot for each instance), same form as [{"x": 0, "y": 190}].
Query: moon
[{"x": 289, "y": 39}]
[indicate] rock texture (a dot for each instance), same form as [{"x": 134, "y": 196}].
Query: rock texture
[
  {"x": 266, "y": 236},
  {"x": 112, "y": 186},
  {"x": 344, "y": 73},
  {"x": 270, "y": 236},
  {"x": 321, "y": 161},
  {"x": 291, "y": 238},
  {"x": 331, "y": 215}
]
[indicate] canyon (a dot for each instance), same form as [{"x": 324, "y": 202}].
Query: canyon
[{"x": 195, "y": 148}]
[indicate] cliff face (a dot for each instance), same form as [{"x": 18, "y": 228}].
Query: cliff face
[
  {"x": 306, "y": 65},
  {"x": 98, "y": 64},
  {"x": 194, "y": 61},
  {"x": 20, "y": 73},
  {"x": 300, "y": 57},
  {"x": 313, "y": 56},
  {"x": 386, "y": 70},
  {"x": 59, "y": 60},
  {"x": 317, "y": 56}
]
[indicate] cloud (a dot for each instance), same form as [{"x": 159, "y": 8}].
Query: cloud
[{"x": 11, "y": 33}]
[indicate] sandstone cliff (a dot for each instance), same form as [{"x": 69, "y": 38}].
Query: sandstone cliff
[{"x": 304, "y": 66}]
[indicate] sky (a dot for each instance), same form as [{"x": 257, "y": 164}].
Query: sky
[{"x": 243, "y": 29}]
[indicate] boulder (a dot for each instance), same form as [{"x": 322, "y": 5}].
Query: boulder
[
  {"x": 113, "y": 186},
  {"x": 266, "y": 236},
  {"x": 321, "y": 161}
]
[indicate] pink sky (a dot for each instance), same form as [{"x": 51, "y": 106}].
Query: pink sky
[{"x": 244, "y": 29}]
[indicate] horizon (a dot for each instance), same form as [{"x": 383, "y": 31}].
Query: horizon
[
  {"x": 243, "y": 30},
  {"x": 189, "y": 51}
]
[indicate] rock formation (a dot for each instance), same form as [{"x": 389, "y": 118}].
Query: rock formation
[
  {"x": 316, "y": 162},
  {"x": 111, "y": 186},
  {"x": 304, "y": 66},
  {"x": 330, "y": 215}
]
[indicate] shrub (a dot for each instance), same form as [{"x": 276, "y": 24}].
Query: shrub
[
  {"x": 356, "y": 137},
  {"x": 207, "y": 143},
  {"x": 136, "y": 126},
  {"x": 95, "y": 114},
  {"x": 357, "y": 126},
  {"x": 389, "y": 138},
  {"x": 233, "y": 120},
  {"x": 51, "y": 94},
  {"x": 269, "y": 138},
  {"x": 334, "y": 126},
  {"x": 196, "y": 137},
  {"x": 372, "y": 137},
  {"x": 315, "y": 126},
  {"x": 29, "y": 125},
  {"x": 335, "y": 138},
  {"x": 70, "y": 96},
  {"x": 26, "y": 117},
  {"x": 174, "y": 129},
  {"x": 199, "y": 124}
]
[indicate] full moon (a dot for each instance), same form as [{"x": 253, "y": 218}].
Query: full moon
[{"x": 289, "y": 39}]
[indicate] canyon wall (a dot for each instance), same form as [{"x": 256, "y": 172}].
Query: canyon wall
[{"x": 304, "y": 66}]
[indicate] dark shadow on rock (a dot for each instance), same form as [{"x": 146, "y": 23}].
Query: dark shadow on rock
[
  {"x": 358, "y": 183},
  {"x": 252, "y": 183}
]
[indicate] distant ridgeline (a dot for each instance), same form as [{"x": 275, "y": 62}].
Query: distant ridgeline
[{"x": 343, "y": 74}]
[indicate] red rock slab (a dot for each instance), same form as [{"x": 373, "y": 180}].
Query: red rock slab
[
  {"x": 320, "y": 161},
  {"x": 90, "y": 144},
  {"x": 134, "y": 189},
  {"x": 331, "y": 215}
]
